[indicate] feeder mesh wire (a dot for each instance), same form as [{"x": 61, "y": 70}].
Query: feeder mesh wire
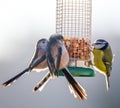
[{"x": 73, "y": 18}]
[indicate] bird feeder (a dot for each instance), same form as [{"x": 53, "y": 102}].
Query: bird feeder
[{"x": 73, "y": 21}]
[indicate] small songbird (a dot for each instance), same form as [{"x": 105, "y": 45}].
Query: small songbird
[
  {"x": 58, "y": 59},
  {"x": 38, "y": 62},
  {"x": 103, "y": 58},
  {"x": 57, "y": 52}
]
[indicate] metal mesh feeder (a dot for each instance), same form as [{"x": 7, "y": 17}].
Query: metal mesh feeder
[{"x": 73, "y": 21}]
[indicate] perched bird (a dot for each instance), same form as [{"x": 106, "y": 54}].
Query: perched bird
[
  {"x": 58, "y": 59},
  {"x": 57, "y": 54},
  {"x": 103, "y": 58},
  {"x": 38, "y": 62}
]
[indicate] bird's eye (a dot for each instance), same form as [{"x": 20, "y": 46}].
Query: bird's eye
[{"x": 43, "y": 42}]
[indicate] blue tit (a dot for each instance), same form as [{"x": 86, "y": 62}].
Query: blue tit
[
  {"x": 103, "y": 58},
  {"x": 38, "y": 62},
  {"x": 58, "y": 59}
]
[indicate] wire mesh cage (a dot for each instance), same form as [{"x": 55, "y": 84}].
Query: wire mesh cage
[{"x": 73, "y": 21}]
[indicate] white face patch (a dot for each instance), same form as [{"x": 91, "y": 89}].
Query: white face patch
[
  {"x": 43, "y": 44},
  {"x": 99, "y": 46}
]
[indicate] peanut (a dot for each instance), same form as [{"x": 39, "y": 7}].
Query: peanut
[{"x": 78, "y": 48}]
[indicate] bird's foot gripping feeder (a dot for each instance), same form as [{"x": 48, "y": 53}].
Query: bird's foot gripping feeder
[{"x": 73, "y": 21}]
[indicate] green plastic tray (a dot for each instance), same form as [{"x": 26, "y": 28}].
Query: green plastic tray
[{"x": 80, "y": 72}]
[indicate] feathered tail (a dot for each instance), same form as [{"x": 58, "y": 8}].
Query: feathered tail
[
  {"x": 107, "y": 82},
  {"x": 75, "y": 87},
  {"x": 32, "y": 65},
  {"x": 10, "y": 81},
  {"x": 42, "y": 83}
]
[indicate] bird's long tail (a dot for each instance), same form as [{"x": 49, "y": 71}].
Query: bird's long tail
[
  {"x": 7, "y": 83},
  {"x": 10, "y": 81},
  {"x": 75, "y": 87},
  {"x": 42, "y": 83},
  {"x": 107, "y": 82}
]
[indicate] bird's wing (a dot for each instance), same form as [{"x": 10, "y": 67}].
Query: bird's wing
[
  {"x": 50, "y": 63},
  {"x": 58, "y": 59},
  {"x": 37, "y": 61},
  {"x": 107, "y": 59}
]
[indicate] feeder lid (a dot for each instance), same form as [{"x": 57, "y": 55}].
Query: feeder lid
[{"x": 80, "y": 72}]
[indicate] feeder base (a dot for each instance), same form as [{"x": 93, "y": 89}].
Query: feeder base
[{"x": 80, "y": 72}]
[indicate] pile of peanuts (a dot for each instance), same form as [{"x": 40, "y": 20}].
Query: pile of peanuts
[{"x": 78, "y": 48}]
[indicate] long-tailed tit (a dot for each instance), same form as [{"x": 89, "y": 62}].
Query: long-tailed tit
[
  {"x": 38, "y": 62},
  {"x": 58, "y": 59}
]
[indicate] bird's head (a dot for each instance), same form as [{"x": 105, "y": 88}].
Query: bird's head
[
  {"x": 56, "y": 38},
  {"x": 100, "y": 44},
  {"x": 42, "y": 44}
]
